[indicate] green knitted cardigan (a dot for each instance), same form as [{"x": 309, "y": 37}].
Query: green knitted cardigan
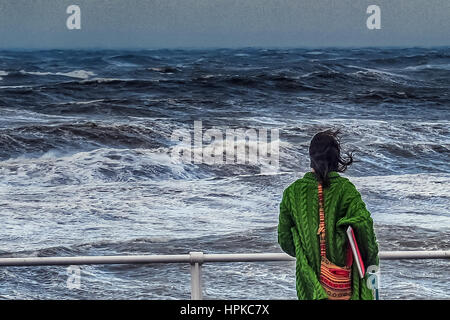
[{"x": 297, "y": 232}]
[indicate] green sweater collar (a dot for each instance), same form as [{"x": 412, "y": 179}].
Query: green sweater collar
[{"x": 310, "y": 175}]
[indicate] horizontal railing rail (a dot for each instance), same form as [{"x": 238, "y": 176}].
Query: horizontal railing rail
[{"x": 196, "y": 259}]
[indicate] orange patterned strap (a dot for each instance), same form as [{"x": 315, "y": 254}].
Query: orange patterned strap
[
  {"x": 321, "y": 230},
  {"x": 335, "y": 280}
]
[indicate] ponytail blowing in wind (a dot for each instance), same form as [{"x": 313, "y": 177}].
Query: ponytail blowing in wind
[{"x": 325, "y": 155}]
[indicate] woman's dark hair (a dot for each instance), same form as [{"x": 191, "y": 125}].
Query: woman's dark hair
[{"x": 325, "y": 155}]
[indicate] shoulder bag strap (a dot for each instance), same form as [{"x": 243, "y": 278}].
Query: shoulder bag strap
[{"x": 321, "y": 230}]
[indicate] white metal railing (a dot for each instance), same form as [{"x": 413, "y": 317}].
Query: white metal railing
[{"x": 196, "y": 259}]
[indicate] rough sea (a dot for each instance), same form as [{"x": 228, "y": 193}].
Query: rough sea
[{"x": 86, "y": 166}]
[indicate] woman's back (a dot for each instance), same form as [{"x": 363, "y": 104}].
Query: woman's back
[{"x": 299, "y": 223}]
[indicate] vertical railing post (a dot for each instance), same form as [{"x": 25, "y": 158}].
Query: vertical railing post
[{"x": 196, "y": 260}]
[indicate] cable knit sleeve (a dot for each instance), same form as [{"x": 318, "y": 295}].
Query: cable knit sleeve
[
  {"x": 284, "y": 226},
  {"x": 359, "y": 218}
]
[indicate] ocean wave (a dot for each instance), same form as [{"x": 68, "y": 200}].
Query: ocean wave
[
  {"x": 268, "y": 81},
  {"x": 79, "y": 74},
  {"x": 99, "y": 165},
  {"x": 224, "y": 243},
  {"x": 405, "y": 186},
  {"x": 155, "y": 161},
  {"x": 17, "y": 87},
  {"x": 39, "y": 139},
  {"x": 132, "y": 59},
  {"x": 383, "y": 95},
  {"x": 81, "y": 102},
  {"x": 165, "y": 69},
  {"x": 89, "y": 157},
  {"x": 421, "y": 67},
  {"x": 104, "y": 80},
  {"x": 321, "y": 76},
  {"x": 119, "y": 81},
  {"x": 123, "y": 107},
  {"x": 383, "y": 74},
  {"x": 402, "y": 59},
  {"x": 258, "y": 238}
]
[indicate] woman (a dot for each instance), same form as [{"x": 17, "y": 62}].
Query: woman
[{"x": 301, "y": 231}]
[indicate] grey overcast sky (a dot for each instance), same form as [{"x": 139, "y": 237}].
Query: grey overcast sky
[{"x": 222, "y": 23}]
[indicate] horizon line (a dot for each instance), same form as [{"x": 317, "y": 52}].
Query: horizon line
[{"x": 193, "y": 48}]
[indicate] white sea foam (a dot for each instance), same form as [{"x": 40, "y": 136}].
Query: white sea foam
[
  {"x": 14, "y": 87},
  {"x": 314, "y": 52},
  {"x": 376, "y": 72},
  {"x": 409, "y": 197},
  {"x": 104, "y": 80},
  {"x": 429, "y": 66},
  {"x": 55, "y": 167},
  {"x": 79, "y": 74},
  {"x": 81, "y": 102}
]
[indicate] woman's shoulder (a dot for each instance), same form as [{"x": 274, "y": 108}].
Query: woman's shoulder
[
  {"x": 344, "y": 184},
  {"x": 347, "y": 187},
  {"x": 309, "y": 178},
  {"x": 306, "y": 179}
]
